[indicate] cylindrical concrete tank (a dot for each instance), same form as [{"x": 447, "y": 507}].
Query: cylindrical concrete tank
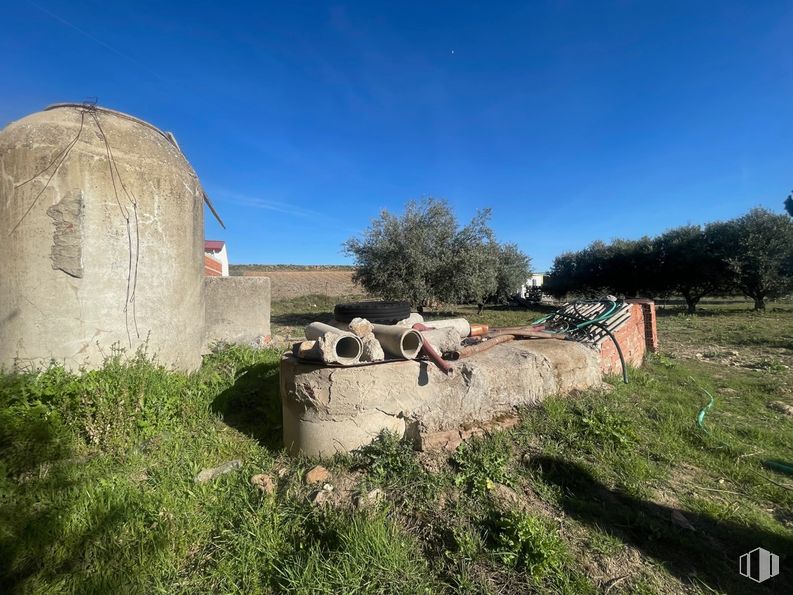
[{"x": 101, "y": 228}]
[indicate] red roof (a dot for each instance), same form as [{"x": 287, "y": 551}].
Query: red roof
[{"x": 213, "y": 245}]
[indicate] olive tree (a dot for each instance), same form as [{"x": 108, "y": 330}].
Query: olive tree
[
  {"x": 624, "y": 267},
  {"x": 473, "y": 271},
  {"x": 514, "y": 268},
  {"x": 424, "y": 256},
  {"x": 689, "y": 263},
  {"x": 758, "y": 248}
]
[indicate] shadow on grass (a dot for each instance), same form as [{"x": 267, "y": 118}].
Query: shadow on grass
[
  {"x": 252, "y": 405},
  {"x": 51, "y": 531},
  {"x": 708, "y": 554},
  {"x": 300, "y": 319}
]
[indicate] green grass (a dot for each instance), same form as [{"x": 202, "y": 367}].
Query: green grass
[{"x": 97, "y": 489}]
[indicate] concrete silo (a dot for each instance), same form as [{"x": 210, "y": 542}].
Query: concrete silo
[{"x": 101, "y": 223}]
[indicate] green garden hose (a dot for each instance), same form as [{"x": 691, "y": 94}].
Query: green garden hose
[
  {"x": 773, "y": 464},
  {"x": 779, "y": 466},
  {"x": 704, "y": 410}
]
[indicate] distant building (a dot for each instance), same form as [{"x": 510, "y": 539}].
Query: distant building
[
  {"x": 216, "y": 259},
  {"x": 532, "y": 288},
  {"x": 535, "y": 280}
]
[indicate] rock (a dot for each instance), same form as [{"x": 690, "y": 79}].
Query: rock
[
  {"x": 321, "y": 496},
  {"x": 207, "y": 475},
  {"x": 370, "y": 499},
  {"x": 361, "y": 327},
  {"x": 372, "y": 350},
  {"x": 506, "y": 499},
  {"x": 414, "y": 318},
  {"x": 443, "y": 340},
  {"x": 783, "y": 408},
  {"x": 681, "y": 521},
  {"x": 317, "y": 474},
  {"x": 264, "y": 483},
  {"x": 307, "y": 350}
]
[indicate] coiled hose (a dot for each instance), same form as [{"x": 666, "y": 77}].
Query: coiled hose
[{"x": 581, "y": 323}]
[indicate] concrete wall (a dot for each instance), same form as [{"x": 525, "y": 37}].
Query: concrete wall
[
  {"x": 94, "y": 260},
  {"x": 337, "y": 409},
  {"x": 237, "y": 310},
  {"x": 329, "y": 409},
  {"x": 292, "y": 284}
]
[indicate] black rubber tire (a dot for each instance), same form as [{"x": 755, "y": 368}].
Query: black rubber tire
[{"x": 379, "y": 312}]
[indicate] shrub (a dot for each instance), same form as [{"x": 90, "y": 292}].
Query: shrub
[{"x": 530, "y": 543}]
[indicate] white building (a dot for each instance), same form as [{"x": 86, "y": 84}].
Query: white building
[
  {"x": 532, "y": 283},
  {"x": 216, "y": 250}
]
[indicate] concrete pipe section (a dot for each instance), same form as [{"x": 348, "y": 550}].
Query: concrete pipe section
[
  {"x": 461, "y": 325},
  {"x": 398, "y": 341},
  {"x": 415, "y": 399},
  {"x": 334, "y": 345}
]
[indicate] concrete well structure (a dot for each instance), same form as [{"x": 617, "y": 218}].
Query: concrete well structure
[
  {"x": 102, "y": 224},
  {"x": 337, "y": 409}
]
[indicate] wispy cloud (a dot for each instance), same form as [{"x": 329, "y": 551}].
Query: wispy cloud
[
  {"x": 95, "y": 39},
  {"x": 267, "y": 204}
]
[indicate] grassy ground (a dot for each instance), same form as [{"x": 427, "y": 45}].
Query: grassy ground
[{"x": 615, "y": 491}]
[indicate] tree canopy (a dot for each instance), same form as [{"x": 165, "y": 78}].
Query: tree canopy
[
  {"x": 423, "y": 256},
  {"x": 752, "y": 255}
]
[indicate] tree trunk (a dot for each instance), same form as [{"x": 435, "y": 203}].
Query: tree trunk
[
  {"x": 691, "y": 302},
  {"x": 759, "y": 303}
]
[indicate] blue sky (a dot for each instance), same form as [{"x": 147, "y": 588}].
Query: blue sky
[{"x": 573, "y": 121}]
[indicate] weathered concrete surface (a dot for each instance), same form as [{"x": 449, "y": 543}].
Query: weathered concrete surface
[
  {"x": 337, "y": 409},
  {"x": 237, "y": 310},
  {"x": 93, "y": 259}
]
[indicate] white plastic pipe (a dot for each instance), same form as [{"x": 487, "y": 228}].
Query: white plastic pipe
[
  {"x": 398, "y": 341},
  {"x": 336, "y": 346}
]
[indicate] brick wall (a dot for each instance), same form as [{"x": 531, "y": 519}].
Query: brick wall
[
  {"x": 636, "y": 337},
  {"x": 292, "y": 284},
  {"x": 212, "y": 266}
]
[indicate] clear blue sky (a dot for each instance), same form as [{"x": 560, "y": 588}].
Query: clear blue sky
[{"x": 573, "y": 121}]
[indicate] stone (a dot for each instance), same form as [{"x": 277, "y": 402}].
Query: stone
[
  {"x": 783, "y": 408},
  {"x": 505, "y": 499},
  {"x": 370, "y": 499},
  {"x": 372, "y": 350},
  {"x": 264, "y": 483},
  {"x": 317, "y": 474},
  {"x": 414, "y": 318},
  {"x": 443, "y": 340},
  {"x": 360, "y": 327},
  {"x": 321, "y": 496},
  {"x": 207, "y": 475}
]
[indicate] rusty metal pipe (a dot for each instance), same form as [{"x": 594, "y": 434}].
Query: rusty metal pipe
[
  {"x": 430, "y": 352},
  {"x": 481, "y": 347}
]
